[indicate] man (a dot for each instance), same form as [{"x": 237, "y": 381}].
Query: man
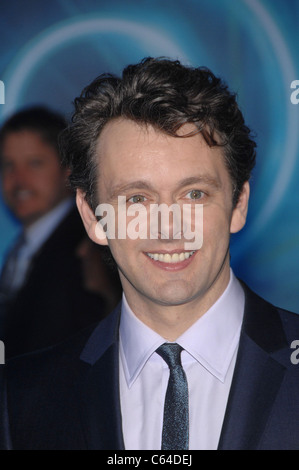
[
  {"x": 41, "y": 285},
  {"x": 163, "y": 136}
]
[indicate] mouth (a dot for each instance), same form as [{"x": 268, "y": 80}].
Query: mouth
[
  {"x": 22, "y": 195},
  {"x": 171, "y": 258},
  {"x": 171, "y": 261}
]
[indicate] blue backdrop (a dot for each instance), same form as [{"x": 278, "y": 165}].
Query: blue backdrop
[{"x": 51, "y": 50}]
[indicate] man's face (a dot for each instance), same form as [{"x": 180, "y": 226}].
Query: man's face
[
  {"x": 33, "y": 180},
  {"x": 150, "y": 167}
]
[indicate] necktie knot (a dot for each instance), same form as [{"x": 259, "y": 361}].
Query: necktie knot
[{"x": 171, "y": 353}]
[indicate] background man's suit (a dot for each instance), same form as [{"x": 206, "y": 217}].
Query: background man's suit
[
  {"x": 82, "y": 409},
  {"x": 52, "y": 304}
]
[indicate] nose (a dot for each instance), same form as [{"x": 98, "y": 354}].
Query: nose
[{"x": 166, "y": 221}]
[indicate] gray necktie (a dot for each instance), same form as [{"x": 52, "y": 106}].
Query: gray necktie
[
  {"x": 175, "y": 434},
  {"x": 10, "y": 267}
]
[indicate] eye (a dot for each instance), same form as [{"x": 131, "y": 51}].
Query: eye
[
  {"x": 137, "y": 199},
  {"x": 36, "y": 163},
  {"x": 195, "y": 194}
]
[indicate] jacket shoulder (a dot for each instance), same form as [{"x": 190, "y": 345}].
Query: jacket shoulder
[
  {"x": 49, "y": 361},
  {"x": 44, "y": 391},
  {"x": 84, "y": 347},
  {"x": 290, "y": 322},
  {"x": 271, "y": 327}
]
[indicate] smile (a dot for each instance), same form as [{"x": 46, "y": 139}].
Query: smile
[
  {"x": 170, "y": 258},
  {"x": 22, "y": 194}
]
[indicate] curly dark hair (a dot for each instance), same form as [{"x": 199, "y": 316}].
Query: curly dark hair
[
  {"x": 165, "y": 94},
  {"x": 46, "y": 123}
]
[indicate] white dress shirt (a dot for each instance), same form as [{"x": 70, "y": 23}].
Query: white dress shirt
[{"x": 210, "y": 349}]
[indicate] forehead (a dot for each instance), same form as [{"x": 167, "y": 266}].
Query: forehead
[
  {"x": 20, "y": 144},
  {"x": 127, "y": 151}
]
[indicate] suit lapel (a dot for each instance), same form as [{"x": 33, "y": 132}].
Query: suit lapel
[
  {"x": 256, "y": 382},
  {"x": 99, "y": 391},
  {"x": 257, "y": 378}
]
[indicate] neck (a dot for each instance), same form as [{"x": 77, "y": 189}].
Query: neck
[{"x": 171, "y": 321}]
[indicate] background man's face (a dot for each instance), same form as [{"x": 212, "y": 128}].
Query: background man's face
[
  {"x": 33, "y": 180},
  {"x": 149, "y": 167}
]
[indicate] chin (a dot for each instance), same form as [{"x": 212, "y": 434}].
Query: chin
[{"x": 173, "y": 296}]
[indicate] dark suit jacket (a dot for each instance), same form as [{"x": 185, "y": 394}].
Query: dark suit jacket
[
  {"x": 53, "y": 303},
  {"x": 5, "y": 441},
  {"x": 67, "y": 397}
]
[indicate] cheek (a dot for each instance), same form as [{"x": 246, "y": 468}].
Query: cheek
[
  {"x": 126, "y": 253},
  {"x": 49, "y": 182},
  {"x": 8, "y": 182},
  {"x": 6, "y": 185},
  {"x": 216, "y": 228},
  {"x": 120, "y": 251}
]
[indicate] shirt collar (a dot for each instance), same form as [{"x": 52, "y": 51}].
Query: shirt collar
[
  {"x": 137, "y": 342},
  {"x": 211, "y": 340}
]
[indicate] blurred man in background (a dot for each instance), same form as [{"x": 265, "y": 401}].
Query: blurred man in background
[{"x": 43, "y": 293}]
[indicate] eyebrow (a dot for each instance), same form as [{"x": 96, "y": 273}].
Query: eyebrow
[
  {"x": 201, "y": 179},
  {"x": 122, "y": 188},
  {"x": 141, "y": 184}
]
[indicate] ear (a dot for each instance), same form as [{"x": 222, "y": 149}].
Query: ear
[
  {"x": 239, "y": 214},
  {"x": 92, "y": 226}
]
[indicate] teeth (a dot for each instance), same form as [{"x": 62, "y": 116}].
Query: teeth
[
  {"x": 168, "y": 258},
  {"x": 22, "y": 194}
]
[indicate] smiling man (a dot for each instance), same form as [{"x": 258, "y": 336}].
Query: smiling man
[
  {"x": 191, "y": 358},
  {"x": 164, "y": 169}
]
